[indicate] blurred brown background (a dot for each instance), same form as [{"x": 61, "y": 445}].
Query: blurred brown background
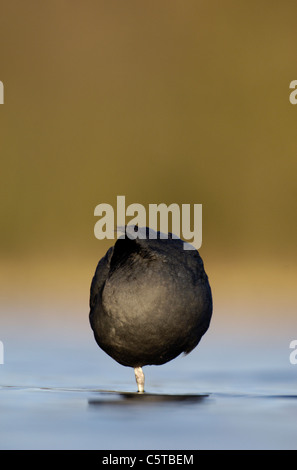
[{"x": 160, "y": 101}]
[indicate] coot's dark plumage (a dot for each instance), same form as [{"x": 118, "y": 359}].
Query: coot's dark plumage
[{"x": 150, "y": 301}]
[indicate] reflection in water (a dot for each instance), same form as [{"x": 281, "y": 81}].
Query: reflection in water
[{"x": 124, "y": 398}]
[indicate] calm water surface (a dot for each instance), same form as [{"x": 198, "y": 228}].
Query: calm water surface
[{"x": 237, "y": 390}]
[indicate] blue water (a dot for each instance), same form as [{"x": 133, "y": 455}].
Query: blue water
[{"x": 59, "y": 391}]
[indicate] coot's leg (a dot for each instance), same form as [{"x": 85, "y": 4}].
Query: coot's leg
[{"x": 139, "y": 376}]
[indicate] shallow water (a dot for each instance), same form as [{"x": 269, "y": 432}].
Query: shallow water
[{"x": 59, "y": 391}]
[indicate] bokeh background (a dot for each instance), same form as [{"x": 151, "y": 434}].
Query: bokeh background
[{"x": 160, "y": 101}]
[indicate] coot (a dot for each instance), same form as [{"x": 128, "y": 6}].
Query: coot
[{"x": 150, "y": 301}]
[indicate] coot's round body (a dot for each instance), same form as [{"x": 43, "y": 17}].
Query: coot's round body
[{"x": 150, "y": 301}]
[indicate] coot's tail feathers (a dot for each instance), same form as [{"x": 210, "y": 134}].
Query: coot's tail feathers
[{"x": 124, "y": 249}]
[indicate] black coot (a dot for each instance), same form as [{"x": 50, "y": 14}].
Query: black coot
[{"x": 150, "y": 301}]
